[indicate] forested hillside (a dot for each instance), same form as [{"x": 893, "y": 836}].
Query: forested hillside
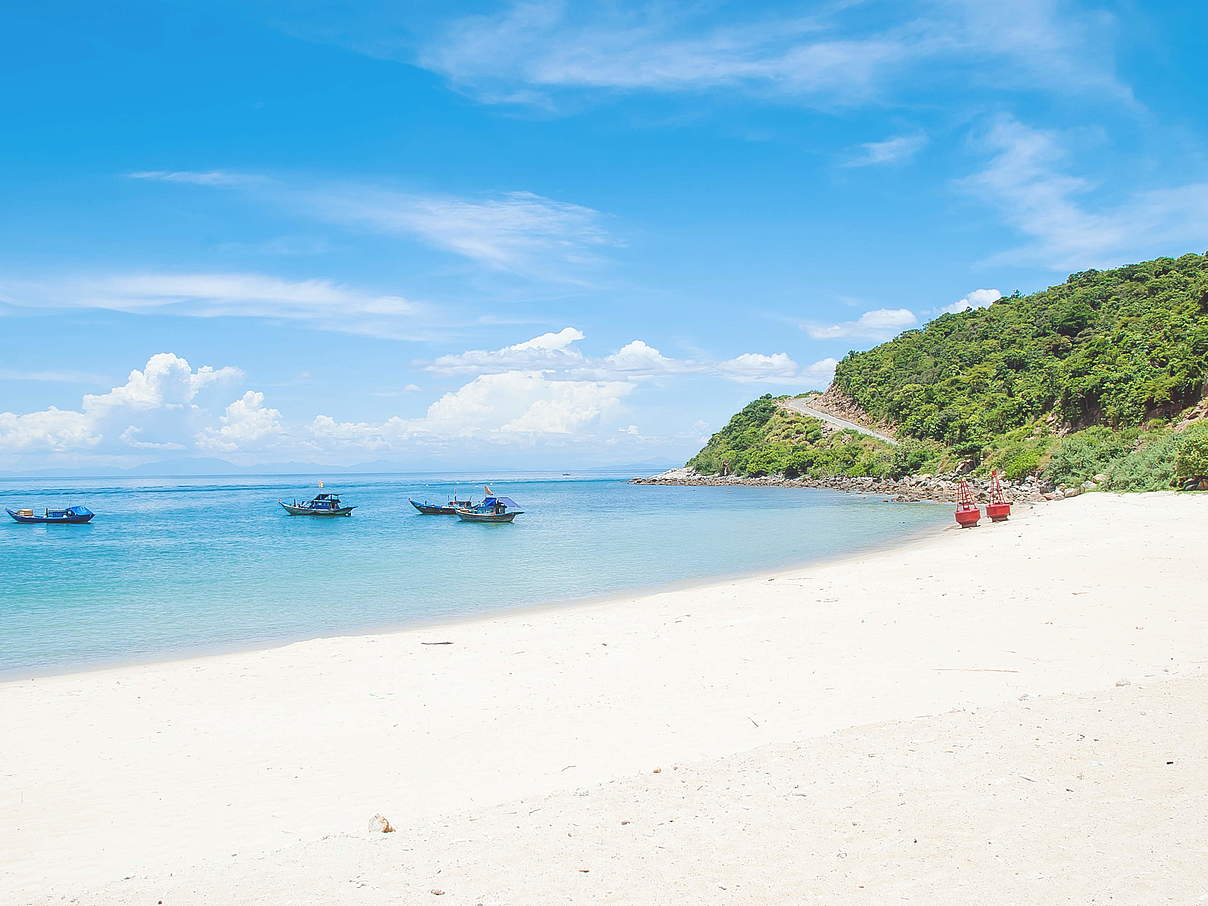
[{"x": 1095, "y": 375}]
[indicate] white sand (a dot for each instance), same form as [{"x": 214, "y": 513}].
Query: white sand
[{"x": 801, "y": 723}]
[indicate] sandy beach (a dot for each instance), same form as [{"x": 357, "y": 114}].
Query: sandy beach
[{"x": 1010, "y": 714}]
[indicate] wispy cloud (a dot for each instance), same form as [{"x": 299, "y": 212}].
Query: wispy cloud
[
  {"x": 518, "y": 232},
  {"x": 1028, "y": 183},
  {"x": 891, "y": 150},
  {"x": 197, "y": 177},
  {"x": 51, "y": 377},
  {"x": 320, "y": 303},
  {"x": 878, "y": 324},
  {"x": 530, "y": 50},
  {"x": 549, "y": 351}
]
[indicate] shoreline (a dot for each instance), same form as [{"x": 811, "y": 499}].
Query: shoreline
[
  {"x": 909, "y": 489},
  {"x": 559, "y": 604},
  {"x": 675, "y": 719}
]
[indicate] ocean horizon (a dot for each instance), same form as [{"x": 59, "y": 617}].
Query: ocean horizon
[{"x": 173, "y": 567}]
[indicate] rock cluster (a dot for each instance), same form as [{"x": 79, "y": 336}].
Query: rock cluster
[{"x": 912, "y": 487}]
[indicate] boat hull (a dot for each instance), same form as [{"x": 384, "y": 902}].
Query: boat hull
[
  {"x": 466, "y": 516},
  {"x": 50, "y": 520},
  {"x": 307, "y": 511},
  {"x": 428, "y": 509}
]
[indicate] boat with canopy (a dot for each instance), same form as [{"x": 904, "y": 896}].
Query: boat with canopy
[
  {"x": 73, "y": 515},
  {"x": 492, "y": 509},
  {"x": 319, "y": 505}
]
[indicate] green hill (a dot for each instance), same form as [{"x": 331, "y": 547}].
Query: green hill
[{"x": 1099, "y": 374}]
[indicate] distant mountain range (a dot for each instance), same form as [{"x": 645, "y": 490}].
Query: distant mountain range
[{"x": 196, "y": 466}]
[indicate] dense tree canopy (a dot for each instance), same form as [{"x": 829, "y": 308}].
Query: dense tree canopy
[{"x": 1114, "y": 347}]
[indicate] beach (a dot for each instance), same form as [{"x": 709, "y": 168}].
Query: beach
[{"x": 1006, "y": 714}]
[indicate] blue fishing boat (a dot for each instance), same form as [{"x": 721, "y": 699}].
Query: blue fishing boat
[
  {"x": 436, "y": 509},
  {"x": 492, "y": 509},
  {"x": 73, "y": 515},
  {"x": 319, "y": 505}
]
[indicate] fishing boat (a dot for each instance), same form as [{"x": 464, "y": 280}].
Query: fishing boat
[
  {"x": 319, "y": 505},
  {"x": 447, "y": 509},
  {"x": 73, "y": 515},
  {"x": 492, "y": 509}
]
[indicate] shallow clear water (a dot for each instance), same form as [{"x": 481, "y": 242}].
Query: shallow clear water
[{"x": 180, "y": 565}]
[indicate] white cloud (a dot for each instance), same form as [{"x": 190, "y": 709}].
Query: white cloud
[
  {"x": 755, "y": 367},
  {"x": 891, "y": 150},
  {"x": 154, "y": 409},
  {"x": 247, "y": 424},
  {"x": 51, "y": 430},
  {"x": 553, "y": 353},
  {"x": 501, "y": 408},
  {"x": 533, "y": 51},
  {"x": 522, "y": 402},
  {"x": 50, "y": 377},
  {"x": 638, "y": 357},
  {"x": 979, "y": 298},
  {"x": 819, "y": 373},
  {"x": 519, "y": 232},
  {"x": 320, "y": 303},
  {"x": 1025, "y": 181},
  {"x": 548, "y": 351},
  {"x": 879, "y": 324},
  {"x": 196, "y": 177}
]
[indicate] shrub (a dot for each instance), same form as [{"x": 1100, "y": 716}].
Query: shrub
[
  {"x": 913, "y": 456},
  {"x": 1149, "y": 467},
  {"x": 1086, "y": 453},
  {"x": 1021, "y": 465},
  {"x": 1191, "y": 455}
]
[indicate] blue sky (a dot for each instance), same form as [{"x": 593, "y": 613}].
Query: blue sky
[{"x": 556, "y": 235}]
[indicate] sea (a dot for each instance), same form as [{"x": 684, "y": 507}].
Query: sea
[{"x": 172, "y": 567}]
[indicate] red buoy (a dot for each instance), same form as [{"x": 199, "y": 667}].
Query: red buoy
[
  {"x": 998, "y": 509},
  {"x": 967, "y": 512}
]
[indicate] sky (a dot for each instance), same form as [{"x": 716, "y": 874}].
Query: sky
[{"x": 542, "y": 234}]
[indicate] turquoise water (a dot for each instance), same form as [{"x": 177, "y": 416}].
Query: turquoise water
[{"x": 183, "y": 565}]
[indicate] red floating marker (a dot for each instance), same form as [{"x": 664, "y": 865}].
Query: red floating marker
[
  {"x": 967, "y": 512},
  {"x": 999, "y": 509}
]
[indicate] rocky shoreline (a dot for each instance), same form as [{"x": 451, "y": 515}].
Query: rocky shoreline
[{"x": 939, "y": 488}]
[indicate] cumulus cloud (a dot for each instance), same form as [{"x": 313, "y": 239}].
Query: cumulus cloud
[
  {"x": 154, "y": 409},
  {"x": 637, "y": 358},
  {"x": 979, "y": 298},
  {"x": 51, "y": 430},
  {"x": 753, "y": 366},
  {"x": 247, "y": 424},
  {"x": 501, "y": 408},
  {"x": 879, "y": 324},
  {"x": 555, "y": 353}
]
